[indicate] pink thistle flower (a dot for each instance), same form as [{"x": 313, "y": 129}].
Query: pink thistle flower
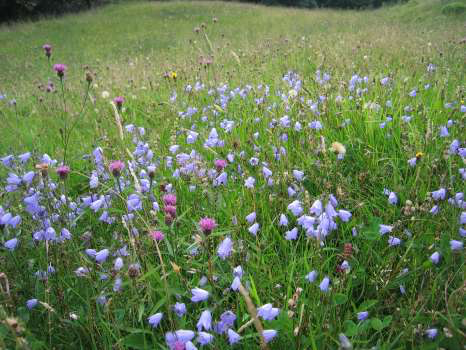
[
  {"x": 116, "y": 167},
  {"x": 48, "y": 50},
  {"x": 63, "y": 171},
  {"x": 118, "y": 101},
  {"x": 220, "y": 164},
  {"x": 169, "y": 199},
  {"x": 60, "y": 68},
  {"x": 157, "y": 235},
  {"x": 207, "y": 225},
  {"x": 168, "y": 219},
  {"x": 170, "y": 210}
]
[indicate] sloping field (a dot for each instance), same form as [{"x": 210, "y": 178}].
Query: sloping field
[{"x": 171, "y": 169}]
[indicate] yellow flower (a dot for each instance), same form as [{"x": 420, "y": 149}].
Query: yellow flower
[
  {"x": 173, "y": 75},
  {"x": 419, "y": 155}
]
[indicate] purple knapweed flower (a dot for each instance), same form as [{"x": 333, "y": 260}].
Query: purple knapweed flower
[
  {"x": 63, "y": 171},
  {"x": 118, "y": 101},
  {"x": 157, "y": 235},
  {"x": 220, "y": 164},
  {"x": 60, "y": 69},
  {"x": 116, "y": 167},
  {"x": 170, "y": 210},
  {"x": 169, "y": 199},
  {"x": 47, "y": 49},
  {"x": 207, "y": 225}
]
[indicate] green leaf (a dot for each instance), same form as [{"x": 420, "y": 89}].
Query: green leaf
[
  {"x": 157, "y": 306},
  {"x": 340, "y": 298},
  {"x": 310, "y": 186},
  {"x": 367, "y": 304},
  {"x": 387, "y": 320},
  {"x": 253, "y": 291},
  {"x": 137, "y": 341},
  {"x": 377, "y": 324},
  {"x": 120, "y": 314},
  {"x": 371, "y": 233},
  {"x": 23, "y": 313},
  {"x": 351, "y": 329},
  {"x": 141, "y": 310}
]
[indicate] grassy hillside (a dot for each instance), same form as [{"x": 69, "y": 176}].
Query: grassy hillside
[{"x": 254, "y": 117}]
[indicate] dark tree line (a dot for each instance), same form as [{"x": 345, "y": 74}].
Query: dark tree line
[
  {"x": 11, "y": 10},
  {"x": 347, "y": 4}
]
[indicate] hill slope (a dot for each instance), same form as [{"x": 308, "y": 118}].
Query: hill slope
[{"x": 187, "y": 148}]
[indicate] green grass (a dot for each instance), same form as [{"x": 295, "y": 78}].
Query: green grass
[{"x": 127, "y": 48}]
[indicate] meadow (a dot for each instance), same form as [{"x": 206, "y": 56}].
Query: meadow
[{"x": 182, "y": 175}]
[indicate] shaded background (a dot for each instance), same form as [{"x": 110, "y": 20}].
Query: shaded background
[{"x": 12, "y": 10}]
